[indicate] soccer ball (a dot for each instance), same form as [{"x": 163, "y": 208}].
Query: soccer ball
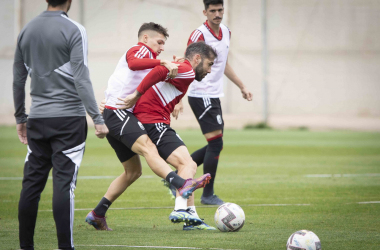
[
  {"x": 303, "y": 240},
  {"x": 229, "y": 217}
]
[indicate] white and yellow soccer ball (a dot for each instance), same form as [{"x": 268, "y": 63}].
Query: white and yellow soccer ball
[
  {"x": 303, "y": 240},
  {"x": 229, "y": 217}
]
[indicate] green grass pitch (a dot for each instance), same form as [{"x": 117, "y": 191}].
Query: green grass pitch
[{"x": 257, "y": 169}]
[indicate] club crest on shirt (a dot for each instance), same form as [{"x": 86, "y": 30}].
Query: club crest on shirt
[
  {"x": 141, "y": 126},
  {"x": 219, "y": 119}
]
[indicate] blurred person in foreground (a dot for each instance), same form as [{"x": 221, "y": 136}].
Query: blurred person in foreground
[
  {"x": 52, "y": 49},
  {"x": 204, "y": 95}
]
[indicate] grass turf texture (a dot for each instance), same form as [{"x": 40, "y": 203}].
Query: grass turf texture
[{"x": 256, "y": 167}]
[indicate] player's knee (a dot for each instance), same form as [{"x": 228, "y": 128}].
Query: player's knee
[
  {"x": 136, "y": 175},
  {"x": 132, "y": 174},
  {"x": 216, "y": 144}
]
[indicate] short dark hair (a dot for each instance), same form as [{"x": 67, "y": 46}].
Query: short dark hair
[
  {"x": 155, "y": 27},
  {"x": 213, "y": 2},
  {"x": 55, "y": 3},
  {"x": 201, "y": 48}
]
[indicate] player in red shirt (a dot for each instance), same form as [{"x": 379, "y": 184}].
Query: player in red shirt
[
  {"x": 156, "y": 98},
  {"x": 127, "y": 135}
]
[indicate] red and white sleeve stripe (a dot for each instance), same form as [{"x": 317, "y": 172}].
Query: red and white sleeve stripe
[
  {"x": 188, "y": 74},
  {"x": 142, "y": 52},
  {"x": 196, "y": 36}
]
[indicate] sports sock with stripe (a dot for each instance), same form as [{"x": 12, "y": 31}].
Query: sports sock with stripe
[
  {"x": 174, "y": 179},
  {"x": 210, "y": 164},
  {"x": 102, "y": 207}
]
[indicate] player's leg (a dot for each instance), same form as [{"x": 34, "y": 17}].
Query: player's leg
[
  {"x": 208, "y": 112},
  {"x": 210, "y": 165},
  {"x": 171, "y": 148},
  {"x": 145, "y": 147},
  {"x": 67, "y": 136},
  {"x": 36, "y": 171},
  {"x": 132, "y": 171},
  {"x": 126, "y": 128},
  {"x": 186, "y": 167},
  {"x": 180, "y": 158},
  {"x": 199, "y": 155}
]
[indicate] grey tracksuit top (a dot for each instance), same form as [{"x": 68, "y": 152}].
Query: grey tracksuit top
[{"x": 52, "y": 49}]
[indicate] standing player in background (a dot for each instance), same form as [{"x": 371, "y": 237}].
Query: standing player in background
[
  {"x": 128, "y": 136},
  {"x": 159, "y": 95},
  {"x": 53, "y": 49},
  {"x": 204, "y": 95}
]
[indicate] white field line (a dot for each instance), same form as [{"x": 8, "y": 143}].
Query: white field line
[
  {"x": 171, "y": 207},
  {"x": 79, "y": 177},
  {"x": 162, "y": 247},
  {"x": 341, "y": 175},
  {"x": 368, "y": 202}
]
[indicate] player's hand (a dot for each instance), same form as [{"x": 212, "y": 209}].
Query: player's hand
[
  {"x": 21, "y": 132},
  {"x": 177, "y": 110},
  {"x": 246, "y": 94},
  {"x": 172, "y": 67},
  {"x": 178, "y": 59},
  {"x": 101, "y": 130},
  {"x": 102, "y": 105},
  {"x": 129, "y": 101}
]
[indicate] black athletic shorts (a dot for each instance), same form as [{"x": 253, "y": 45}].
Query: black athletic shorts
[
  {"x": 208, "y": 112},
  {"x": 124, "y": 130},
  {"x": 164, "y": 137}
]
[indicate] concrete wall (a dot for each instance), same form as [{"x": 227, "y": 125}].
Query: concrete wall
[{"x": 323, "y": 55}]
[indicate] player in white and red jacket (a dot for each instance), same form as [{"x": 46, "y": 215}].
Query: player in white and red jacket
[
  {"x": 204, "y": 95},
  {"x": 156, "y": 98}
]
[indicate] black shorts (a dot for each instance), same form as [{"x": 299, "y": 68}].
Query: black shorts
[
  {"x": 164, "y": 137},
  {"x": 124, "y": 130},
  {"x": 208, "y": 112}
]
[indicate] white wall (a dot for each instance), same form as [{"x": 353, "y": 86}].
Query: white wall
[{"x": 323, "y": 55}]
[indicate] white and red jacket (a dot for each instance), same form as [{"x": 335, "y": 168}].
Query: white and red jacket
[
  {"x": 160, "y": 93},
  {"x": 212, "y": 85},
  {"x": 133, "y": 66}
]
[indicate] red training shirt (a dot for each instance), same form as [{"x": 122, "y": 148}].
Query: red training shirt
[{"x": 160, "y": 93}]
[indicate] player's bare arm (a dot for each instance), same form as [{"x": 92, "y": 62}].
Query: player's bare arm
[
  {"x": 129, "y": 101},
  {"x": 178, "y": 108},
  {"x": 230, "y": 73},
  {"x": 102, "y": 105}
]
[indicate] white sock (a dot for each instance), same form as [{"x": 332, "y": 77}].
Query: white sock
[
  {"x": 193, "y": 211},
  {"x": 180, "y": 203}
]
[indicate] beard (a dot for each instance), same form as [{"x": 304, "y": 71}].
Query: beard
[{"x": 199, "y": 72}]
